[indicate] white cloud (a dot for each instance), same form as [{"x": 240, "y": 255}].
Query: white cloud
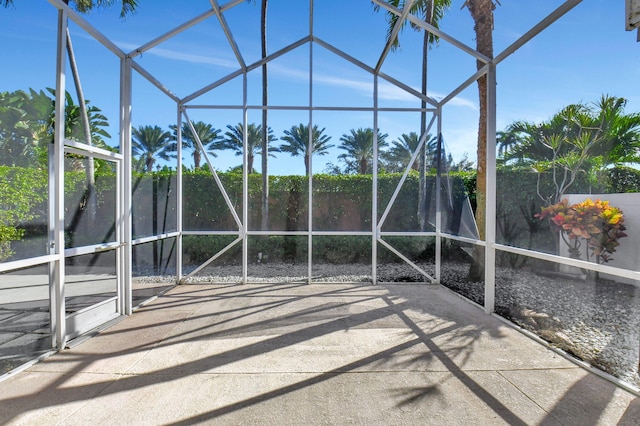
[
  {"x": 193, "y": 58},
  {"x": 458, "y": 101},
  {"x": 177, "y": 55},
  {"x": 386, "y": 90}
]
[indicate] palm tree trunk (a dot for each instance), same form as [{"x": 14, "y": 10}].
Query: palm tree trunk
[
  {"x": 482, "y": 14},
  {"x": 86, "y": 127},
  {"x": 196, "y": 158},
  {"x": 265, "y": 139}
]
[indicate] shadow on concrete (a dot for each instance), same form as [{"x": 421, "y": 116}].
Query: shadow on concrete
[{"x": 262, "y": 310}]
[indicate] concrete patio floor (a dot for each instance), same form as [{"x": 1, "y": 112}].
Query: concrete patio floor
[{"x": 303, "y": 355}]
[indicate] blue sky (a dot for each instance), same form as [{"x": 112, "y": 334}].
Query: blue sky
[{"x": 587, "y": 53}]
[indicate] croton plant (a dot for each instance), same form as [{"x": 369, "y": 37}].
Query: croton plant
[{"x": 594, "y": 223}]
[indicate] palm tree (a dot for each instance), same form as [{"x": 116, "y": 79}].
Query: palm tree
[
  {"x": 208, "y": 135},
  {"x": 84, "y": 6},
  {"x": 74, "y": 116},
  {"x": 399, "y": 154},
  {"x": 482, "y": 15},
  {"x": 234, "y": 141},
  {"x": 359, "y": 147},
  {"x": 265, "y": 127},
  {"x": 26, "y": 127},
  {"x": 506, "y": 141},
  {"x": 433, "y": 12},
  {"x": 620, "y": 131},
  {"x": 578, "y": 139},
  {"x": 151, "y": 142},
  {"x": 297, "y": 143},
  {"x": 613, "y": 135}
]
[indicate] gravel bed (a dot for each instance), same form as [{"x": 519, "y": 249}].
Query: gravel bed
[{"x": 596, "y": 321}]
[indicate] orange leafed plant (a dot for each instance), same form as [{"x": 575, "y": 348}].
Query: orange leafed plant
[{"x": 596, "y": 223}]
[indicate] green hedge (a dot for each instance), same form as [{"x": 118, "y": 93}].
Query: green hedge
[
  {"x": 341, "y": 203},
  {"x": 622, "y": 179}
]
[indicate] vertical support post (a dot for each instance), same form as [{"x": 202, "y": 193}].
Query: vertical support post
[
  {"x": 51, "y": 220},
  {"x": 121, "y": 287},
  {"x": 310, "y": 176},
  {"x": 374, "y": 188},
  {"x": 179, "y": 197},
  {"x": 58, "y": 195},
  {"x": 490, "y": 218},
  {"x": 438, "y": 241},
  {"x": 126, "y": 176},
  {"x": 310, "y": 201},
  {"x": 245, "y": 182}
]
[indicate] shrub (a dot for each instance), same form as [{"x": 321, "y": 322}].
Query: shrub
[{"x": 595, "y": 223}]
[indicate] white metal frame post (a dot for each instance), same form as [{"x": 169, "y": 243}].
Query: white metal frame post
[
  {"x": 310, "y": 177},
  {"x": 245, "y": 182},
  {"x": 51, "y": 249},
  {"x": 374, "y": 188},
  {"x": 490, "y": 196},
  {"x": 179, "y": 189},
  {"x": 438, "y": 242},
  {"x": 58, "y": 168},
  {"x": 126, "y": 176}
]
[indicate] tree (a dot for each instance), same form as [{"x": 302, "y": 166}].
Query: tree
[
  {"x": 620, "y": 139},
  {"x": 209, "y": 138},
  {"x": 433, "y": 12},
  {"x": 151, "y": 142},
  {"x": 578, "y": 139},
  {"x": 359, "y": 150},
  {"x": 234, "y": 138},
  {"x": 297, "y": 143},
  {"x": 27, "y": 122},
  {"x": 506, "y": 140},
  {"x": 26, "y": 127},
  {"x": 265, "y": 127},
  {"x": 399, "y": 154},
  {"x": 464, "y": 165},
  {"x": 482, "y": 15},
  {"x": 74, "y": 116},
  {"x": 84, "y": 6}
]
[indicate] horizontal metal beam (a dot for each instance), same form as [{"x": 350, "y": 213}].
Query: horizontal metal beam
[
  {"x": 211, "y": 86},
  {"x": 136, "y": 66},
  {"x": 153, "y": 238},
  {"x": 27, "y": 263},
  {"x": 82, "y": 23},
  {"x": 409, "y": 89},
  {"x": 227, "y": 33},
  {"x": 406, "y": 259},
  {"x": 394, "y": 33},
  {"x": 343, "y": 55},
  {"x": 84, "y": 149},
  {"x": 482, "y": 71},
  {"x": 177, "y": 30},
  {"x": 279, "y": 53},
  {"x": 612, "y": 270},
  {"x": 306, "y": 108},
  {"x": 463, "y": 239},
  {"x": 435, "y": 31}
]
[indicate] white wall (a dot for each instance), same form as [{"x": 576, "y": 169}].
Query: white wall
[{"x": 627, "y": 255}]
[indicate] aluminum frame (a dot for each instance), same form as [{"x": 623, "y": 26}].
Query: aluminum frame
[{"x": 56, "y": 257}]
